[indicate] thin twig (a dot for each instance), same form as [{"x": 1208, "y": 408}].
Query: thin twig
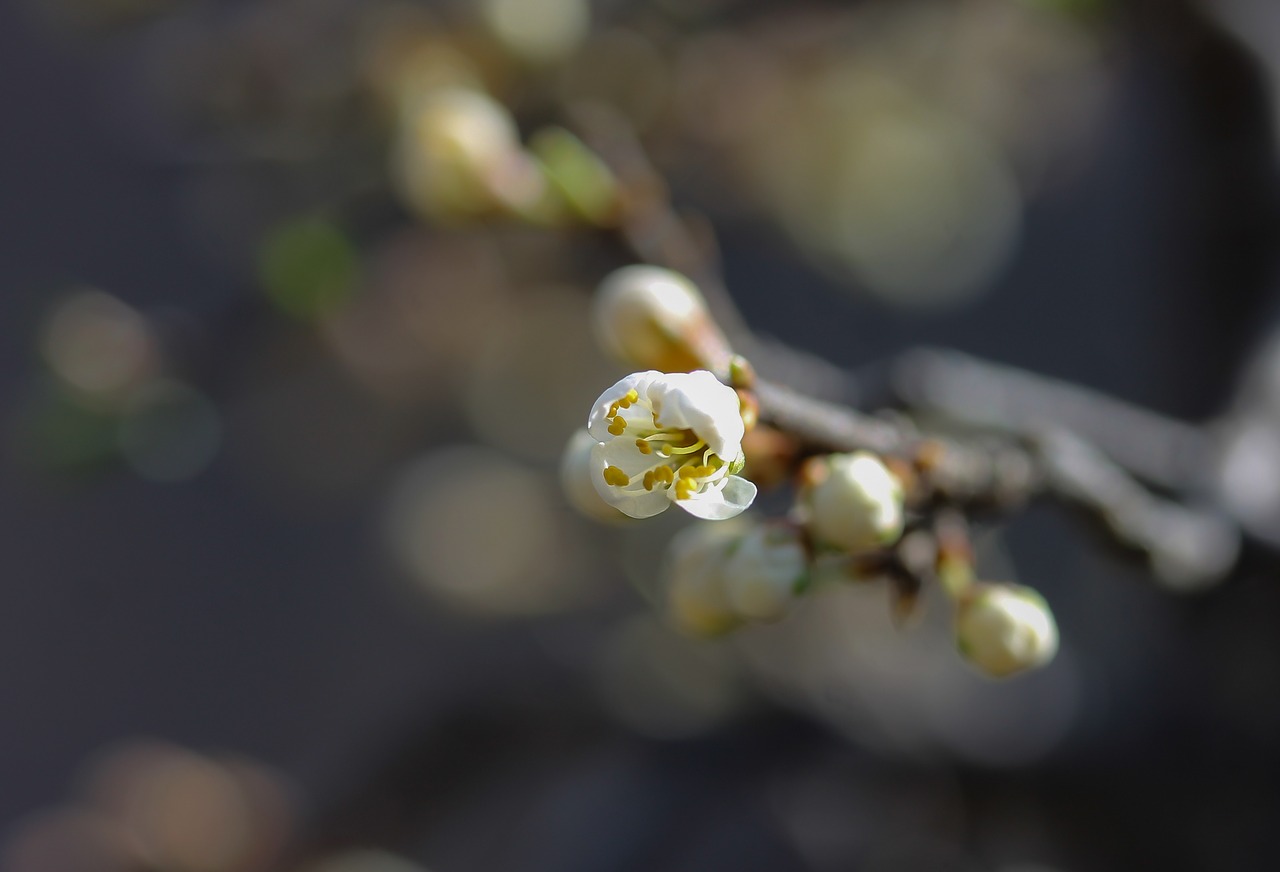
[{"x": 965, "y": 390}]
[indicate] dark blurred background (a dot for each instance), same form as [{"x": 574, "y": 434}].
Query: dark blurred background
[{"x": 286, "y": 569}]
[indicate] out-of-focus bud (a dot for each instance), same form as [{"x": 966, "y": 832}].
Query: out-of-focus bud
[
  {"x": 459, "y": 157},
  {"x": 655, "y": 318},
  {"x": 586, "y": 184},
  {"x": 853, "y": 502},
  {"x": 764, "y": 570},
  {"x": 538, "y": 31},
  {"x": 696, "y": 599},
  {"x": 100, "y": 345},
  {"x": 576, "y": 470},
  {"x": 1003, "y": 629}
]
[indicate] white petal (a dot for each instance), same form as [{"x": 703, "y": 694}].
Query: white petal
[
  {"x": 577, "y": 468},
  {"x": 698, "y": 401},
  {"x": 598, "y": 422},
  {"x": 639, "y": 504},
  {"x": 623, "y": 453},
  {"x": 727, "y": 502}
]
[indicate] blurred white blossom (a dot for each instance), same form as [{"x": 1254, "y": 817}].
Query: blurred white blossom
[
  {"x": 762, "y": 573},
  {"x": 697, "y": 602}
]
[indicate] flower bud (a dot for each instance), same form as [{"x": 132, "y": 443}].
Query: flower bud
[
  {"x": 576, "y": 471},
  {"x": 853, "y": 502},
  {"x": 762, "y": 572},
  {"x": 655, "y": 318},
  {"x": 538, "y": 31},
  {"x": 696, "y": 599},
  {"x": 1003, "y": 629},
  {"x": 459, "y": 157}
]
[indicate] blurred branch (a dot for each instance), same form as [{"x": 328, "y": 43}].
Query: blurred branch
[
  {"x": 969, "y": 391},
  {"x": 1186, "y": 546}
]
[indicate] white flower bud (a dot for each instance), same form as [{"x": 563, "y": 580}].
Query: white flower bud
[
  {"x": 459, "y": 156},
  {"x": 695, "y": 597},
  {"x": 1003, "y": 629},
  {"x": 652, "y": 317},
  {"x": 576, "y": 471},
  {"x": 856, "y": 503},
  {"x": 664, "y": 438},
  {"x": 763, "y": 570}
]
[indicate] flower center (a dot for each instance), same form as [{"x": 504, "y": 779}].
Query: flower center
[{"x": 681, "y": 461}]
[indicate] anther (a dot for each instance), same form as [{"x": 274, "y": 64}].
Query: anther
[
  {"x": 616, "y": 477},
  {"x": 617, "y": 425}
]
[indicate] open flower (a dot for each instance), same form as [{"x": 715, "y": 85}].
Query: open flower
[{"x": 665, "y": 438}]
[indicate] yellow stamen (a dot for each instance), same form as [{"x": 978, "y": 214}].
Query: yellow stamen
[
  {"x": 628, "y": 398},
  {"x": 617, "y": 425},
  {"x": 663, "y": 474},
  {"x": 645, "y": 447},
  {"x": 692, "y": 449},
  {"x": 649, "y": 480},
  {"x": 685, "y": 488},
  {"x": 616, "y": 477}
]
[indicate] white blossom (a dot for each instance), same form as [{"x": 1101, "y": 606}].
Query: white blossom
[
  {"x": 1003, "y": 629},
  {"x": 664, "y": 438},
  {"x": 653, "y": 317},
  {"x": 856, "y": 504}
]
